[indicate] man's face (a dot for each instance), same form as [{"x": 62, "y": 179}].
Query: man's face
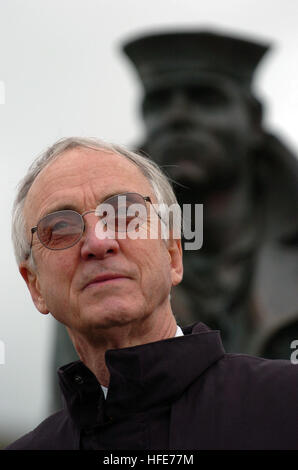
[
  {"x": 202, "y": 131},
  {"x": 145, "y": 269}
]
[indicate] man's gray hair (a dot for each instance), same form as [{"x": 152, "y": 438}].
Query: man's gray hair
[{"x": 159, "y": 182}]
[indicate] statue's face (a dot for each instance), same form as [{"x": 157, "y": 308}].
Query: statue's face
[{"x": 202, "y": 131}]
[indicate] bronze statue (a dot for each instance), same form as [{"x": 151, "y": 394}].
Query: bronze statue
[{"x": 204, "y": 126}]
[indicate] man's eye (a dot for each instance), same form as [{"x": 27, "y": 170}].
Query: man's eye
[
  {"x": 122, "y": 219},
  {"x": 62, "y": 225}
]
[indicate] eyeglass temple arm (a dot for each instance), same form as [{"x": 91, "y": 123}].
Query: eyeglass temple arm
[
  {"x": 148, "y": 199},
  {"x": 33, "y": 230}
]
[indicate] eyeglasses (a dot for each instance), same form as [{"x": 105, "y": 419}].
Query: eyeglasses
[{"x": 63, "y": 229}]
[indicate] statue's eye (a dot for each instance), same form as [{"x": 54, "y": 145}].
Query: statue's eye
[{"x": 207, "y": 96}]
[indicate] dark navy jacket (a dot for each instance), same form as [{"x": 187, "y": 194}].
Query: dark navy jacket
[{"x": 180, "y": 393}]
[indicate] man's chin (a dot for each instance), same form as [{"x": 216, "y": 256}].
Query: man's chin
[{"x": 115, "y": 316}]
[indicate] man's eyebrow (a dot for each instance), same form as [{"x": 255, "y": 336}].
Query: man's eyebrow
[{"x": 60, "y": 207}]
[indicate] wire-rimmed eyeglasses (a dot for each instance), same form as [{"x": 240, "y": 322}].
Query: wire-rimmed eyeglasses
[{"x": 62, "y": 229}]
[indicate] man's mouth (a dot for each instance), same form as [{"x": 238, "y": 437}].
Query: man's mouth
[{"x": 104, "y": 279}]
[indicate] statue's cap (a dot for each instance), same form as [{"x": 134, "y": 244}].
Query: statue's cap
[{"x": 179, "y": 57}]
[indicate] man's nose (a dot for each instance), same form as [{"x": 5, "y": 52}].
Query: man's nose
[{"x": 97, "y": 241}]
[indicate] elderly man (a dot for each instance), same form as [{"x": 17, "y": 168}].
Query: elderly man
[{"x": 141, "y": 382}]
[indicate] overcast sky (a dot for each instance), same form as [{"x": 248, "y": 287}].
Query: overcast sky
[{"x": 64, "y": 74}]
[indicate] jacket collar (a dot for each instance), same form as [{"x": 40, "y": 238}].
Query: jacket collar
[{"x": 141, "y": 377}]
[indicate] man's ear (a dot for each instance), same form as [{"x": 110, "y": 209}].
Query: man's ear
[
  {"x": 31, "y": 278},
  {"x": 175, "y": 255}
]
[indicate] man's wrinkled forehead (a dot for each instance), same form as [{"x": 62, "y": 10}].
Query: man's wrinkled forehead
[{"x": 79, "y": 167}]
